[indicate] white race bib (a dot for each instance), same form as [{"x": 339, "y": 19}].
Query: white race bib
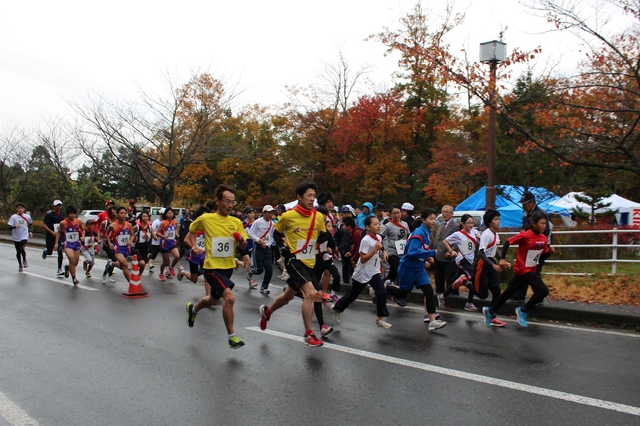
[
  {"x": 73, "y": 237},
  {"x": 373, "y": 264},
  {"x": 266, "y": 239},
  {"x": 323, "y": 246},
  {"x": 533, "y": 258},
  {"x": 305, "y": 252},
  {"x": 222, "y": 247},
  {"x": 170, "y": 235},
  {"x": 56, "y": 226},
  {"x": 400, "y": 245},
  {"x": 88, "y": 241},
  {"x": 467, "y": 247},
  {"x": 122, "y": 239},
  {"x": 200, "y": 242},
  {"x": 142, "y": 237}
]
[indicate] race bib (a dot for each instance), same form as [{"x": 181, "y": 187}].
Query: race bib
[
  {"x": 323, "y": 246},
  {"x": 373, "y": 264},
  {"x": 142, "y": 237},
  {"x": 88, "y": 241},
  {"x": 222, "y": 247},
  {"x": 56, "y": 226},
  {"x": 171, "y": 234},
  {"x": 533, "y": 258},
  {"x": 73, "y": 237},
  {"x": 266, "y": 239},
  {"x": 305, "y": 252},
  {"x": 467, "y": 247},
  {"x": 122, "y": 239},
  {"x": 400, "y": 245},
  {"x": 200, "y": 242}
]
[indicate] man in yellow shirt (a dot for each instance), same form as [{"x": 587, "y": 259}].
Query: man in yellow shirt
[
  {"x": 303, "y": 228},
  {"x": 223, "y": 232}
]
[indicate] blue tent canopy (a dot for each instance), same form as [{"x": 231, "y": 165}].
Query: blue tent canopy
[{"x": 508, "y": 203}]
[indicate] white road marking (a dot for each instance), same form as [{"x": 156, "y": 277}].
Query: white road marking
[
  {"x": 13, "y": 414},
  {"x": 578, "y": 399},
  {"x": 64, "y": 281}
]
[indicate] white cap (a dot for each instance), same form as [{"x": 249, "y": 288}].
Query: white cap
[
  {"x": 408, "y": 207},
  {"x": 57, "y": 203},
  {"x": 267, "y": 208},
  {"x": 162, "y": 210}
]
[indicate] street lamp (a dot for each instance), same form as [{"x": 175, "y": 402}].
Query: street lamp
[{"x": 492, "y": 52}]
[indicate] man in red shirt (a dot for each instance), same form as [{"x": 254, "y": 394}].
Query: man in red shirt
[{"x": 532, "y": 244}]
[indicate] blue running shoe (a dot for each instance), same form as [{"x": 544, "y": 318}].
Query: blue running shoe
[
  {"x": 487, "y": 316},
  {"x": 522, "y": 317}
]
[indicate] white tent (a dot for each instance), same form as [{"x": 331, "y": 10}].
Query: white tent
[{"x": 619, "y": 204}]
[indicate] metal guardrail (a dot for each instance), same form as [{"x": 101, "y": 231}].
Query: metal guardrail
[{"x": 614, "y": 260}]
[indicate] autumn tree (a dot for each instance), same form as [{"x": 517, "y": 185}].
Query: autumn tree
[{"x": 157, "y": 138}]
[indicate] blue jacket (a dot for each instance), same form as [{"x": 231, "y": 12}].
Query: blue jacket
[
  {"x": 417, "y": 249},
  {"x": 362, "y": 216}
]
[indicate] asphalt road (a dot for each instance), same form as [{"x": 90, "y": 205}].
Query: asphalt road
[{"x": 88, "y": 356}]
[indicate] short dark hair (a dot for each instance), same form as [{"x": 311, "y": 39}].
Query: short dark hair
[
  {"x": 489, "y": 215},
  {"x": 304, "y": 187},
  {"x": 537, "y": 216},
  {"x": 464, "y": 218},
  {"x": 21, "y": 205},
  {"x": 427, "y": 212},
  {"x": 323, "y": 198},
  {"x": 211, "y": 205},
  {"x": 349, "y": 221},
  {"x": 71, "y": 209},
  {"x": 368, "y": 219},
  {"x": 121, "y": 208},
  {"x": 221, "y": 189}
]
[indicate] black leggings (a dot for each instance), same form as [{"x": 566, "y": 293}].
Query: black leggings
[
  {"x": 427, "y": 290},
  {"x": 356, "y": 289},
  {"x": 540, "y": 291},
  {"x": 21, "y": 254},
  {"x": 394, "y": 262}
]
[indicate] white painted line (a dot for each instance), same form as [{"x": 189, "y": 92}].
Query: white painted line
[
  {"x": 64, "y": 281},
  {"x": 578, "y": 399},
  {"x": 14, "y": 414}
]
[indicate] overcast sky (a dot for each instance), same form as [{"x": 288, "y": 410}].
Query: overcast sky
[{"x": 54, "y": 52}]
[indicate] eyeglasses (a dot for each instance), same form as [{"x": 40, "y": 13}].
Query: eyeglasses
[{"x": 230, "y": 202}]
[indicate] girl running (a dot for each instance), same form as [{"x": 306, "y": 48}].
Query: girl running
[
  {"x": 168, "y": 233},
  {"x": 89, "y": 247},
  {"x": 143, "y": 235},
  {"x": 71, "y": 232},
  {"x": 120, "y": 241},
  {"x": 466, "y": 240}
]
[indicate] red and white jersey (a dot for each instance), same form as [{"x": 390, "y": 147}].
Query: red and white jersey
[
  {"x": 467, "y": 244},
  {"x": 531, "y": 245}
]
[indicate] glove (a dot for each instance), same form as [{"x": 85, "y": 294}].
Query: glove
[{"x": 237, "y": 237}]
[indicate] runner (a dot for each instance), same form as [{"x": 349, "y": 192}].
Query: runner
[
  {"x": 223, "y": 233},
  {"x": 168, "y": 233},
  {"x": 51, "y": 223},
  {"x": 195, "y": 253},
  {"x": 143, "y": 234},
  {"x": 89, "y": 247},
  {"x": 120, "y": 240},
  {"x": 302, "y": 227},
  {"x": 19, "y": 224},
  {"x": 261, "y": 233},
  {"x": 70, "y": 233}
]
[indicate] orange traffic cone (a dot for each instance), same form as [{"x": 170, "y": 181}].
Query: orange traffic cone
[{"x": 135, "y": 287}]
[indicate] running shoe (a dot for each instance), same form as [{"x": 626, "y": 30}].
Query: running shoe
[
  {"x": 326, "y": 297},
  {"x": 75, "y": 281},
  {"x": 400, "y": 302},
  {"x": 495, "y": 322},
  {"x": 44, "y": 253},
  {"x": 253, "y": 284},
  {"x": 60, "y": 272},
  {"x": 180, "y": 273},
  {"x": 387, "y": 282},
  {"x": 88, "y": 274},
  {"x": 312, "y": 340},
  {"x": 66, "y": 271},
  {"x": 441, "y": 301},
  {"x": 235, "y": 342},
  {"x": 382, "y": 323},
  {"x": 336, "y": 314},
  {"x": 151, "y": 266},
  {"x": 172, "y": 271},
  {"x": 434, "y": 325},
  {"x": 106, "y": 268},
  {"x": 167, "y": 273},
  {"x": 425, "y": 318},
  {"x": 191, "y": 316},
  {"x": 264, "y": 291},
  {"x": 458, "y": 282},
  {"x": 486, "y": 311},
  {"x": 265, "y": 316},
  {"x": 522, "y": 317},
  {"x": 334, "y": 298},
  {"x": 280, "y": 263},
  {"x": 20, "y": 268},
  {"x": 25, "y": 264},
  {"x": 104, "y": 279},
  {"x": 326, "y": 330},
  {"x": 84, "y": 265},
  {"x": 162, "y": 277},
  {"x": 470, "y": 307}
]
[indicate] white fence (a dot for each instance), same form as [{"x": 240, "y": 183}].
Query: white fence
[{"x": 614, "y": 246}]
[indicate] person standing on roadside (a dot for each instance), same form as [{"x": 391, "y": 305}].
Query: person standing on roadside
[
  {"x": 19, "y": 224},
  {"x": 222, "y": 233},
  {"x": 444, "y": 267},
  {"x": 51, "y": 224}
]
